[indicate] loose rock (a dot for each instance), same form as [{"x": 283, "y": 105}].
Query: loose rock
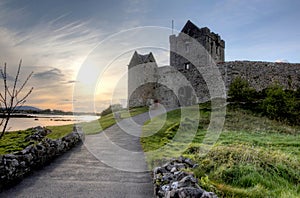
[{"x": 171, "y": 182}]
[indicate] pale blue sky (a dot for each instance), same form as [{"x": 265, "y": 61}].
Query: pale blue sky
[{"x": 54, "y": 37}]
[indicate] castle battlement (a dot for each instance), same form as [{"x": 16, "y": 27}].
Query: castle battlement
[{"x": 147, "y": 82}]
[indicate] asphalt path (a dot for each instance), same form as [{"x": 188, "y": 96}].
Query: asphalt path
[{"x": 109, "y": 164}]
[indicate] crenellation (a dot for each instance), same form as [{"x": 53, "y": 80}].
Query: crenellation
[
  {"x": 211, "y": 41},
  {"x": 170, "y": 81}
]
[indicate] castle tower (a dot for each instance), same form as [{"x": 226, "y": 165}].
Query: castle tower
[
  {"x": 212, "y": 42},
  {"x": 142, "y": 79},
  {"x": 184, "y": 50}
]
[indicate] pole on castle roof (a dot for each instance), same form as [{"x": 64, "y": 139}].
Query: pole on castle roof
[{"x": 172, "y": 26}]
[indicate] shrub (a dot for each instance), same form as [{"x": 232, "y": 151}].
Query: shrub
[
  {"x": 274, "y": 102},
  {"x": 279, "y": 104},
  {"x": 240, "y": 91},
  {"x": 111, "y": 108}
]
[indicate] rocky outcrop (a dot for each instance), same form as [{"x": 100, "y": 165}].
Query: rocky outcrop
[
  {"x": 170, "y": 181},
  {"x": 14, "y": 167}
]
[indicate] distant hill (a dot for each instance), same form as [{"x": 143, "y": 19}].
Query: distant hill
[{"x": 27, "y": 108}]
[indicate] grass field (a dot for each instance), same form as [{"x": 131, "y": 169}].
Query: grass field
[
  {"x": 15, "y": 141},
  {"x": 253, "y": 157}
]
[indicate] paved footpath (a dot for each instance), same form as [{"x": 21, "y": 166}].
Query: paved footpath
[{"x": 101, "y": 167}]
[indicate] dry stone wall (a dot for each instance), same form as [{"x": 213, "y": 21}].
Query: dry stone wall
[
  {"x": 14, "y": 167},
  {"x": 171, "y": 181}
]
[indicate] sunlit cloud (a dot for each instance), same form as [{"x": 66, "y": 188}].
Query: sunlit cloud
[
  {"x": 281, "y": 61},
  {"x": 66, "y": 48},
  {"x": 53, "y": 74},
  {"x": 55, "y": 49}
]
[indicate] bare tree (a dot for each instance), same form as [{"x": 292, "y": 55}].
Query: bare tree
[{"x": 11, "y": 99}]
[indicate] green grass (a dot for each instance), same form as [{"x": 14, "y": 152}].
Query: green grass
[
  {"x": 96, "y": 126},
  {"x": 15, "y": 141},
  {"x": 59, "y": 131},
  {"x": 253, "y": 157}
]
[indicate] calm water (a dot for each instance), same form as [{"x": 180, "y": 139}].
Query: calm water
[{"x": 47, "y": 120}]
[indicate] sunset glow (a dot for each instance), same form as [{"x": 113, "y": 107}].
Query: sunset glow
[{"x": 68, "y": 44}]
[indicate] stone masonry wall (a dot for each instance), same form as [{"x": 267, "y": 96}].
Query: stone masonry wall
[
  {"x": 262, "y": 74},
  {"x": 259, "y": 74},
  {"x": 140, "y": 83},
  {"x": 14, "y": 167}
]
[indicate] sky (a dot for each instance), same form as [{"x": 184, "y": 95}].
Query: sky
[{"x": 79, "y": 50}]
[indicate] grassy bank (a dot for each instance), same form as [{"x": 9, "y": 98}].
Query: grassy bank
[
  {"x": 253, "y": 157},
  {"x": 95, "y": 126},
  {"x": 15, "y": 141}
]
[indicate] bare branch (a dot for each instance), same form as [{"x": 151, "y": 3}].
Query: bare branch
[
  {"x": 17, "y": 77},
  {"x": 5, "y": 82},
  {"x": 25, "y": 82},
  {"x": 9, "y": 93},
  {"x": 28, "y": 93},
  {"x": 22, "y": 101},
  {"x": 9, "y": 100}
]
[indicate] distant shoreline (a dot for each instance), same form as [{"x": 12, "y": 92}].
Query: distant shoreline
[
  {"x": 19, "y": 116},
  {"x": 43, "y": 115},
  {"x": 24, "y": 121}
]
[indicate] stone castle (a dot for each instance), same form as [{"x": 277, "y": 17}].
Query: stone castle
[{"x": 182, "y": 84}]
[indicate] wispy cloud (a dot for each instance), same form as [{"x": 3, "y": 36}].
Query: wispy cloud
[
  {"x": 56, "y": 43},
  {"x": 53, "y": 74},
  {"x": 11, "y": 16},
  {"x": 55, "y": 48},
  {"x": 136, "y": 6},
  {"x": 71, "y": 81},
  {"x": 8, "y": 76},
  {"x": 60, "y": 45}
]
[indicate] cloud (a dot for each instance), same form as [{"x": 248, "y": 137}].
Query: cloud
[
  {"x": 54, "y": 42},
  {"x": 71, "y": 81},
  {"x": 12, "y": 16},
  {"x": 136, "y": 6},
  {"x": 54, "y": 48},
  {"x": 281, "y": 61},
  {"x": 53, "y": 74},
  {"x": 8, "y": 76}
]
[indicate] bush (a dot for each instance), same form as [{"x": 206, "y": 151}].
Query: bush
[
  {"x": 280, "y": 104},
  {"x": 274, "y": 102},
  {"x": 111, "y": 108},
  {"x": 240, "y": 91}
]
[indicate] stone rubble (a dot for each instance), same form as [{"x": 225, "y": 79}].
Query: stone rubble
[
  {"x": 40, "y": 133},
  {"x": 170, "y": 181},
  {"x": 14, "y": 167}
]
